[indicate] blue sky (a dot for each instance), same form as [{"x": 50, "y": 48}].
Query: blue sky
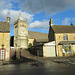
[{"x": 38, "y": 13}]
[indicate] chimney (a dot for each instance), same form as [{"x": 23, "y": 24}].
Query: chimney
[
  {"x": 8, "y": 19},
  {"x": 51, "y": 22},
  {"x": 72, "y": 24}
]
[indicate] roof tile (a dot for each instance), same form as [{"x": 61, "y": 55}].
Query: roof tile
[
  {"x": 63, "y": 29},
  {"x": 40, "y": 37},
  {"x": 4, "y": 27}
]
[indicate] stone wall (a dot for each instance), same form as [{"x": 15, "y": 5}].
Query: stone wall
[
  {"x": 5, "y": 39},
  {"x": 59, "y": 37},
  {"x": 21, "y": 34}
]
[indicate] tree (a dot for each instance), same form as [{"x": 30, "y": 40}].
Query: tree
[{"x": 30, "y": 45}]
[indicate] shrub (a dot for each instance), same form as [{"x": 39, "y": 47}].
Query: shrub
[{"x": 30, "y": 45}]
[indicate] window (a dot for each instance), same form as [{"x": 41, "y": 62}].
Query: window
[
  {"x": 65, "y": 37},
  {"x": 66, "y": 48},
  {"x": 22, "y": 25}
]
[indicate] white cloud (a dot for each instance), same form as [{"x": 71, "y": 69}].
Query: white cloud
[
  {"x": 73, "y": 19},
  {"x": 4, "y": 4},
  {"x": 39, "y": 24},
  {"x": 48, "y": 6},
  {"x": 34, "y": 6},
  {"x": 14, "y": 16},
  {"x": 66, "y": 21}
]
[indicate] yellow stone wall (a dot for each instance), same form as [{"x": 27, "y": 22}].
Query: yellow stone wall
[
  {"x": 5, "y": 39},
  {"x": 58, "y": 38},
  {"x": 32, "y": 41}
]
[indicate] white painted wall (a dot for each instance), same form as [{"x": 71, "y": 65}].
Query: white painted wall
[{"x": 49, "y": 50}]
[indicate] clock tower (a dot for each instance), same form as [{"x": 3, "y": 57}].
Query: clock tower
[{"x": 20, "y": 33}]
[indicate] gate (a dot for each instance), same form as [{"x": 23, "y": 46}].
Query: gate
[
  {"x": 2, "y": 54},
  {"x": 12, "y": 54}
]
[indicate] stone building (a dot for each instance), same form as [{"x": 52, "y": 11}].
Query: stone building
[
  {"x": 23, "y": 37},
  {"x": 5, "y": 40},
  {"x": 20, "y": 33},
  {"x": 64, "y": 37},
  {"x": 37, "y": 38}
]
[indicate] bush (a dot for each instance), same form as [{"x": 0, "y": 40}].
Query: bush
[
  {"x": 26, "y": 49},
  {"x": 30, "y": 45}
]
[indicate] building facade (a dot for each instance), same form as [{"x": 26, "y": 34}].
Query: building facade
[
  {"x": 37, "y": 38},
  {"x": 5, "y": 40},
  {"x": 20, "y": 33},
  {"x": 64, "y": 37}
]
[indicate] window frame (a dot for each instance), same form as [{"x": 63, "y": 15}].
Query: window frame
[{"x": 65, "y": 37}]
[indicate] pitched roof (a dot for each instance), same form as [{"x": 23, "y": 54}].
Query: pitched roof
[
  {"x": 4, "y": 27},
  {"x": 63, "y": 29},
  {"x": 39, "y": 37}
]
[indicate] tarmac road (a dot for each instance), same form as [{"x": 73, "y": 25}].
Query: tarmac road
[
  {"x": 51, "y": 68},
  {"x": 42, "y": 67}
]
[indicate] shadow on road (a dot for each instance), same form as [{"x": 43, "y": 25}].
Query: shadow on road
[{"x": 25, "y": 60}]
